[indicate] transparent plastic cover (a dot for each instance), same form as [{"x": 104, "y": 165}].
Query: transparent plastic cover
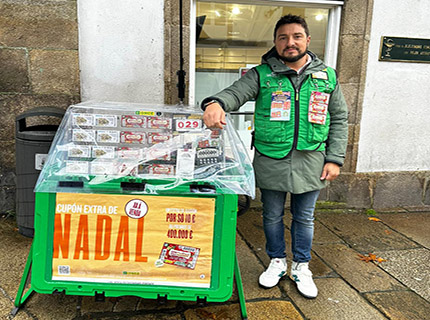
[{"x": 106, "y": 147}]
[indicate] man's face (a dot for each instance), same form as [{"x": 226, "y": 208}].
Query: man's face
[{"x": 291, "y": 42}]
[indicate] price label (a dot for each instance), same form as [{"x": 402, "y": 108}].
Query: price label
[{"x": 188, "y": 124}]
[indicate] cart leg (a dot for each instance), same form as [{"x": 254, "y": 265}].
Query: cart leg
[
  {"x": 20, "y": 298},
  {"x": 239, "y": 286}
]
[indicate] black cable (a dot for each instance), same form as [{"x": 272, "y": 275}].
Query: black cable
[{"x": 181, "y": 73}]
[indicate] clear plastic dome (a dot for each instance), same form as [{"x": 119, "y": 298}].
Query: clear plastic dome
[{"x": 108, "y": 147}]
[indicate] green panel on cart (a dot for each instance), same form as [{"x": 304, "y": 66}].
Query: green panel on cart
[{"x": 222, "y": 260}]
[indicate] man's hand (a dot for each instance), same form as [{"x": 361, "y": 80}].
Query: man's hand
[
  {"x": 330, "y": 171},
  {"x": 214, "y": 116}
]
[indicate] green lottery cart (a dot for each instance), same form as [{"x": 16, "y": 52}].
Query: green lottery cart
[{"x": 138, "y": 200}]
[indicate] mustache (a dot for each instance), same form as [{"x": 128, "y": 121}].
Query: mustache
[{"x": 291, "y": 47}]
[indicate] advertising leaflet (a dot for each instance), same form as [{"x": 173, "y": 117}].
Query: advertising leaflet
[{"x": 133, "y": 239}]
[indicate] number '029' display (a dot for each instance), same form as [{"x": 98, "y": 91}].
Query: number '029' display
[{"x": 188, "y": 125}]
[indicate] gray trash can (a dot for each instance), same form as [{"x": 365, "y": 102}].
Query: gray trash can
[{"x": 32, "y": 147}]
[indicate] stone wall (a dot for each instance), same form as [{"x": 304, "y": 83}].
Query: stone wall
[
  {"x": 381, "y": 190},
  {"x": 352, "y": 60},
  {"x": 351, "y": 66},
  {"x": 38, "y": 67},
  {"x": 171, "y": 49},
  {"x": 384, "y": 191}
]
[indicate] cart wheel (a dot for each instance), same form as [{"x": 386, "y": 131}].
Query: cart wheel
[{"x": 243, "y": 204}]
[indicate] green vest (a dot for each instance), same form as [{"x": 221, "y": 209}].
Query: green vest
[{"x": 276, "y": 139}]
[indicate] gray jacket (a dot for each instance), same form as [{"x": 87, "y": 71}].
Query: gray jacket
[{"x": 300, "y": 171}]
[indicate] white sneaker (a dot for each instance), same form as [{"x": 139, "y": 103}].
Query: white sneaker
[
  {"x": 276, "y": 270},
  {"x": 302, "y": 276}
]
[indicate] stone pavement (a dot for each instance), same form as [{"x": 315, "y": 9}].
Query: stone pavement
[{"x": 398, "y": 288}]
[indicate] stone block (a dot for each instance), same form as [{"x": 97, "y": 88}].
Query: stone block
[
  {"x": 323, "y": 196},
  {"x": 362, "y": 234},
  {"x": 400, "y": 304},
  {"x": 269, "y": 310},
  {"x": 250, "y": 270},
  {"x": 352, "y": 189},
  {"x": 360, "y": 97},
  {"x": 156, "y": 317},
  {"x": 347, "y": 162},
  {"x": 410, "y": 267},
  {"x": 14, "y": 105},
  {"x": 318, "y": 267},
  {"x": 354, "y": 16},
  {"x": 168, "y": 74},
  {"x": 350, "y": 92},
  {"x": 427, "y": 191},
  {"x": 7, "y": 178},
  {"x": 364, "y": 277},
  {"x": 126, "y": 303},
  {"x": 398, "y": 190},
  {"x": 339, "y": 188},
  {"x": 354, "y": 154},
  {"x": 153, "y": 304},
  {"x": 415, "y": 226},
  {"x": 424, "y": 208},
  {"x": 356, "y": 137},
  {"x": 359, "y": 192},
  {"x": 14, "y": 249},
  {"x": 54, "y": 71},
  {"x": 272, "y": 310},
  {"x": 7, "y": 157},
  {"x": 89, "y": 305},
  {"x": 336, "y": 300},
  {"x": 52, "y": 306},
  {"x": 350, "y": 58},
  {"x": 6, "y": 306},
  {"x": 171, "y": 12},
  {"x": 167, "y": 12},
  {"x": 13, "y": 70},
  {"x": 39, "y": 24},
  {"x": 7, "y": 200},
  {"x": 250, "y": 227},
  {"x": 323, "y": 235},
  {"x": 351, "y": 130}
]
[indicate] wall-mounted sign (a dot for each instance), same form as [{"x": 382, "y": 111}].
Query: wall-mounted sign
[{"x": 404, "y": 49}]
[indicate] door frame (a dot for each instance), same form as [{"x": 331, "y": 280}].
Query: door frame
[{"x": 332, "y": 40}]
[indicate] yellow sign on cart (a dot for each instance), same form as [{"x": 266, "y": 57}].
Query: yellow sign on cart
[{"x": 133, "y": 239}]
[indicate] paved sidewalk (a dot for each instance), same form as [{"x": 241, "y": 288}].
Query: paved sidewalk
[{"x": 349, "y": 288}]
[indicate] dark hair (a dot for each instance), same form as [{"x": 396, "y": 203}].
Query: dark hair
[{"x": 288, "y": 19}]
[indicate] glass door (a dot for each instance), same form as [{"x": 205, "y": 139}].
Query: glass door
[{"x": 232, "y": 37}]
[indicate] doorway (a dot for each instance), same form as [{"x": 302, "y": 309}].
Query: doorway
[{"x": 231, "y": 37}]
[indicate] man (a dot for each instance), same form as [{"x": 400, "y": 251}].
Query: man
[{"x": 300, "y": 140}]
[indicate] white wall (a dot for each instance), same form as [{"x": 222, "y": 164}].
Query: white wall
[
  {"x": 121, "y": 50},
  {"x": 395, "y": 125}
]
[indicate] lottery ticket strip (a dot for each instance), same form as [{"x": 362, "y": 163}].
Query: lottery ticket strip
[{"x": 138, "y": 200}]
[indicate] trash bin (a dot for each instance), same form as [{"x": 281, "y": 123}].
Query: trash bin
[{"x": 32, "y": 147}]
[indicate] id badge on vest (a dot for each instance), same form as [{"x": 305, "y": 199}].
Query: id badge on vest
[
  {"x": 318, "y": 106},
  {"x": 281, "y": 106}
]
